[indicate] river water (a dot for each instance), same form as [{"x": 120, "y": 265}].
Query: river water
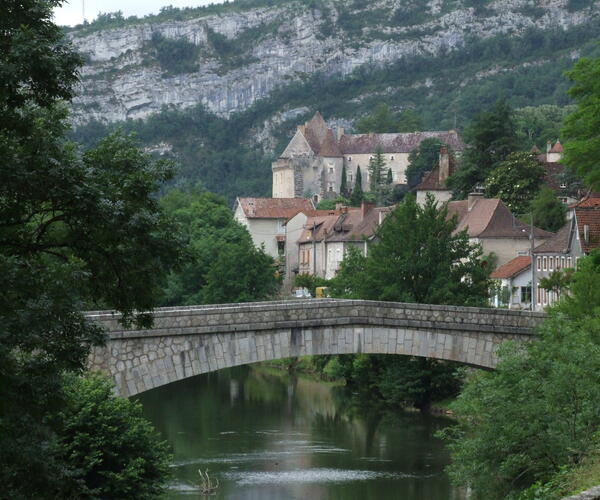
[{"x": 269, "y": 436}]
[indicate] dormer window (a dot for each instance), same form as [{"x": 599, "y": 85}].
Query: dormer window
[{"x": 349, "y": 158}]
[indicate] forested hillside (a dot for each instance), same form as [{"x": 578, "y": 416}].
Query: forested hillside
[{"x": 446, "y": 60}]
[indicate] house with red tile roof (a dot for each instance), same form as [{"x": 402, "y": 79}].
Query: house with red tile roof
[
  {"x": 265, "y": 220},
  {"x": 311, "y": 165},
  {"x": 489, "y": 221},
  {"x": 513, "y": 280}
]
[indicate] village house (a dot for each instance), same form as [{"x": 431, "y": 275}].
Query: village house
[
  {"x": 513, "y": 280},
  {"x": 324, "y": 238},
  {"x": 311, "y": 165},
  {"x": 556, "y": 175},
  {"x": 577, "y": 238},
  {"x": 265, "y": 220},
  {"x": 488, "y": 221}
]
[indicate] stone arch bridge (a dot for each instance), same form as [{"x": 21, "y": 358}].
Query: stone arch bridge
[{"x": 188, "y": 341}]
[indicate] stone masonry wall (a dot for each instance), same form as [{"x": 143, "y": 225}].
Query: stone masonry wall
[{"x": 188, "y": 341}]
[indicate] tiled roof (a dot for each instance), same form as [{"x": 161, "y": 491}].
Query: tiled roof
[
  {"x": 431, "y": 181},
  {"x": 330, "y": 147},
  {"x": 559, "y": 243},
  {"x": 591, "y": 200},
  {"x": 587, "y": 215},
  {"x": 512, "y": 268},
  {"x": 490, "y": 218},
  {"x": 274, "y": 208},
  {"x": 315, "y": 132},
  {"x": 396, "y": 143},
  {"x": 557, "y": 148}
]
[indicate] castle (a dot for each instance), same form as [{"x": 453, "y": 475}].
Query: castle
[{"x": 311, "y": 165}]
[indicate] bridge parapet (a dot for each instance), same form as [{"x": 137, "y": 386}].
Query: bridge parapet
[{"x": 186, "y": 341}]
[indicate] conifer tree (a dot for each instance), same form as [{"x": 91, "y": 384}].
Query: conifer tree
[
  {"x": 390, "y": 177},
  {"x": 357, "y": 192},
  {"x": 376, "y": 171},
  {"x": 344, "y": 183}
]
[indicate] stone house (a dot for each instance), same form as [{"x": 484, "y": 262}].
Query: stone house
[
  {"x": 265, "y": 220},
  {"x": 324, "y": 239},
  {"x": 311, "y": 164},
  {"x": 489, "y": 221},
  {"x": 556, "y": 177},
  {"x": 514, "y": 284}
]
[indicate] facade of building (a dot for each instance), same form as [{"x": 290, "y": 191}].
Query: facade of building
[
  {"x": 317, "y": 243},
  {"x": 265, "y": 220},
  {"x": 489, "y": 222},
  {"x": 577, "y": 238},
  {"x": 311, "y": 164},
  {"x": 513, "y": 280}
]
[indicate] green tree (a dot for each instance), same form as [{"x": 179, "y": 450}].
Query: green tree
[
  {"x": 382, "y": 120},
  {"x": 416, "y": 258},
  {"x": 344, "y": 183},
  {"x": 390, "y": 177},
  {"x": 111, "y": 448},
  {"x": 223, "y": 264},
  {"x": 77, "y": 230},
  {"x": 582, "y": 148},
  {"x": 548, "y": 211},
  {"x": 537, "y": 412},
  {"x": 409, "y": 121},
  {"x": 491, "y": 137},
  {"x": 378, "y": 185},
  {"x": 357, "y": 195},
  {"x": 536, "y": 125},
  {"x": 515, "y": 181},
  {"x": 422, "y": 159}
]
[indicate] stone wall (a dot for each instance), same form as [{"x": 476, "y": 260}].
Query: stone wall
[{"x": 188, "y": 341}]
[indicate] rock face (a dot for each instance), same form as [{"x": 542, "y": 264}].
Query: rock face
[{"x": 241, "y": 56}]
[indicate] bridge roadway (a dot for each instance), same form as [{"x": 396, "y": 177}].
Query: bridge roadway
[{"x": 188, "y": 341}]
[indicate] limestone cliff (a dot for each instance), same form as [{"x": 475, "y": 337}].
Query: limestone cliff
[{"x": 238, "y": 56}]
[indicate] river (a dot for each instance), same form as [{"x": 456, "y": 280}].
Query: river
[{"x": 269, "y": 436}]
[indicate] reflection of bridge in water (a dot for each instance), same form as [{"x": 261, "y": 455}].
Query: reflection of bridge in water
[{"x": 188, "y": 341}]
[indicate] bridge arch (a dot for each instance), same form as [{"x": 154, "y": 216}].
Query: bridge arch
[{"x": 188, "y": 341}]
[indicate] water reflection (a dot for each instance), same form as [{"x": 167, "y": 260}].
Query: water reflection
[{"x": 271, "y": 436}]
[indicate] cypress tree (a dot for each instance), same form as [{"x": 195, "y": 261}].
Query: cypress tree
[
  {"x": 344, "y": 183},
  {"x": 357, "y": 192},
  {"x": 390, "y": 177}
]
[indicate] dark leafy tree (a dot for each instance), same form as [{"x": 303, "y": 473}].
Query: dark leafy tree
[
  {"x": 422, "y": 159},
  {"x": 547, "y": 210},
  {"x": 76, "y": 231},
  {"x": 417, "y": 258},
  {"x": 491, "y": 137},
  {"x": 515, "y": 181},
  {"x": 382, "y": 120},
  {"x": 223, "y": 263},
  {"x": 390, "y": 178},
  {"x": 112, "y": 449},
  {"x": 536, "y": 414},
  {"x": 582, "y": 148}
]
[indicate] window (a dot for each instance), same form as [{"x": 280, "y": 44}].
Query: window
[
  {"x": 545, "y": 295},
  {"x": 569, "y": 262},
  {"x": 349, "y": 158},
  {"x": 562, "y": 262},
  {"x": 392, "y": 158},
  {"x": 526, "y": 294},
  {"x": 350, "y": 177},
  {"x": 545, "y": 264},
  {"x": 539, "y": 263},
  {"x": 331, "y": 170},
  {"x": 539, "y": 293},
  {"x": 550, "y": 263}
]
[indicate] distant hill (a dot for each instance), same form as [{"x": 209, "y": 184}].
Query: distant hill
[{"x": 238, "y": 77}]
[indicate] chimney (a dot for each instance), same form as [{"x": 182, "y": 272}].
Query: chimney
[
  {"x": 339, "y": 132},
  {"x": 472, "y": 199},
  {"x": 444, "y": 163},
  {"x": 365, "y": 208}
]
